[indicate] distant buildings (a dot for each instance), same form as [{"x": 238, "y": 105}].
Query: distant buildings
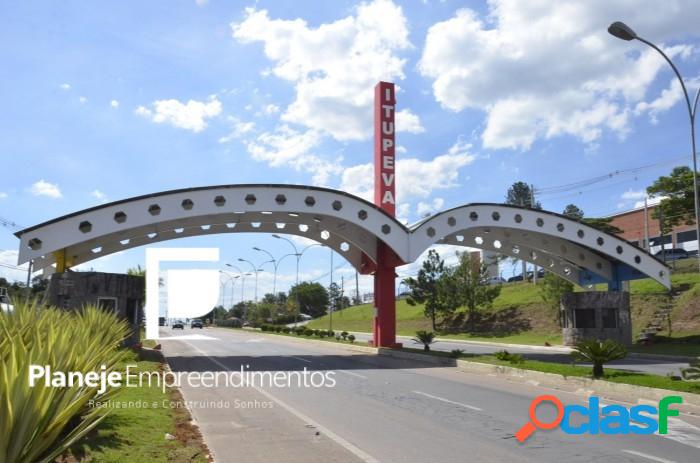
[{"x": 635, "y": 229}]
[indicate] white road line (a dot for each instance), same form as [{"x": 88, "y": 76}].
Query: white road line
[
  {"x": 648, "y": 457},
  {"x": 358, "y": 452},
  {"x": 299, "y": 358},
  {"x": 471, "y": 407},
  {"x": 351, "y": 373}
]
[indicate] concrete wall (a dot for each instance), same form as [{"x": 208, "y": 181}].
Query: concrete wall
[
  {"x": 125, "y": 293},
  {"x": 581, "y": 310}
]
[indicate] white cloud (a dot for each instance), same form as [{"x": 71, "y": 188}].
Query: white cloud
[
  {"x": 428, "y": 208},
  {"x": 288, "y": 147},
  {"x": 44, "y": 188},
  {"x": 114, "y": 103},
  {"x": 669, "y": 97},
  {"x": 634, "y": 199},
  {"x": 201, "y": 2},
  {"x": 335, "y": 66},
  {"x": 652, "y": 201},
  {"x": 417, "y": 179},
  {"x": 98, "y": 195},
  {"x": 240, "y": 129},
  {"x": 570, "y": 78},
  {"x": 406, "y": 121},
  {"x": 189, "y": 116},
  {"x": 82, "y": 100},
  {"x": 65, "y": 86},
  {"x": 271, "y": 109},
  {"x": 3, "y": 195}
]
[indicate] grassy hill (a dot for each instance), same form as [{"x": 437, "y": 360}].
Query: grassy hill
[{"x": 518, "y": 315}]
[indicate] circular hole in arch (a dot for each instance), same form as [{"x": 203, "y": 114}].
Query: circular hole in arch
[
  {"x": 518, "y": 218},
  {"x": 344, "y": 246},
  {"x": 567, "y": 271},
  {"x": 637, "y": 259},
  {"x": 540, "y": 222},
  {"x": 600, "y": 241},
  {"x": 478, "y": 240},
  {"x": 325, "y": 234},
  {"x": 496, "y": 216},
  {"x": 451, "y": 221},
  {"x": 516, "y": 250},
  {"x": 560, "y": 227},
  {"x": 580, "y": 233},
  {"x": 430, "y": 231},
  {"x": 362, "y": 215},
  {"x": 459, "y": 238},
  {"x": 473, "y": 216},
  {"x": 497, "y": 244},
  {"x": 662, "y": 274},
  {"x": 386, "y": 229},
  {"x": 303, "y": 227},
  {"x": 619, "y": 249}
]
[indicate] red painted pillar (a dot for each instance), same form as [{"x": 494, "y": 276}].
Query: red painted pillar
[{"x": 385, "y": 198}]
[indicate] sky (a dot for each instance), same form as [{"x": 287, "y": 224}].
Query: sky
[{"x": 105, "y": 101}]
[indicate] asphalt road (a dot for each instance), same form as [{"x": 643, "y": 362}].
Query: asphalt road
[
  {"x": 385, "y": 410},
  {"x": 658, "y": 366}
]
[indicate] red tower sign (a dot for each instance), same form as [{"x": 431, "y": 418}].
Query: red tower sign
[{"x": 385, "y": 198}]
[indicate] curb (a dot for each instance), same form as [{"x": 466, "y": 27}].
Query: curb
[
  {"x": 669, "y": 358},
  {"x": 552, "y": 380}
]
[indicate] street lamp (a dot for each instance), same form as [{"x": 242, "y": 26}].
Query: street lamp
[
  {"x": 256, "y": 269},
  {"x": 298, "y": 255},
  {"x": 624, "y": 32},
  {"x": 230, "y": 279}
]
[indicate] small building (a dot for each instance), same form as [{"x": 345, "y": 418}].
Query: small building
[
  {"x": 596, "y": 315},
  {"x": 635, "y": 228},
  {"x": 123, "y": 294}
]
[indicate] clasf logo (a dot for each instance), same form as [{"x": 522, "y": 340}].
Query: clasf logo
[{"x": 610, "y": 419}]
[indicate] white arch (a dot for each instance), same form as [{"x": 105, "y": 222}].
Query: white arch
[{"x": 350, "y": 225}]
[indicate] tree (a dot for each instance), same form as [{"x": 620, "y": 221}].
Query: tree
[
  {"x": 551, "y": 289},
  {"x": 678, "y": 206},
  {"x": 424, "y": 337},
  {"x": 521, "y": 194},
  {"x": 425, "y": 288},
  {"x": 335, "y": 295},
  {"x": 572, "y": 211},
  {"x": 468, "y": 285},
  {"x": 312, "y": 298},
  {"x": 602, "y": 224}
]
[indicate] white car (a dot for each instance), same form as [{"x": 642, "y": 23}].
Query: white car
[
  {"x": 5, "y": 305},
  {"x": 305, "y": 317}
]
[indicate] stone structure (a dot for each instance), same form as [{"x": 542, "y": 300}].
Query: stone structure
[
  {"x": 112, "y": 291},
  {"x": 596, "y": 315}
]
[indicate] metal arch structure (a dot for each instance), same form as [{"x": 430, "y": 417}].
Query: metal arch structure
[{"x": 358, "y": 230}]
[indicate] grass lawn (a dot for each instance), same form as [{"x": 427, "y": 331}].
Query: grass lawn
[{"x": 138, "y": 434}]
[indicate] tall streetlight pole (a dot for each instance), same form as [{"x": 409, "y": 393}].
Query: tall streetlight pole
[
  {"x": 256, "y": 269},
  {"x": 624, "y": 32},
  {"x": 274, "y": 265},
  {"x": 298, "y": 256},
  {"x": 230, "y": 279}
]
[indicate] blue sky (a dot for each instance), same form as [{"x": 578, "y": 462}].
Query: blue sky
[{"x": 107, "y": 101}]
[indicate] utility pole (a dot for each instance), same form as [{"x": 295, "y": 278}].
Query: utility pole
[
  {"x": 330, "y": 312},
  {"x": 357, "y": 287},
  {"x": 532, "y": 205},
  {"x": 646, "y": 224}
]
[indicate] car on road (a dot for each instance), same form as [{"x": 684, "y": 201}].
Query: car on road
[
  {"x": 196, "y": 323},
  {"x": 515, "y": 278},
  {"x": 178, "y": 324},
  {"x": 672, "y": 254},
  {"x": 305, "y": 316}
]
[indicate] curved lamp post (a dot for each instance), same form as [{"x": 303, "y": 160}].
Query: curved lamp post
[
  {"x": 298, "y": 255},
  {"x": 624, "y": 32}
]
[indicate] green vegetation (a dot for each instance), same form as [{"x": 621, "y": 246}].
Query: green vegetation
[
  {"x": 598, "y": 353},
  {"x": 692, "y": 373},
  {"x": 39, "y": 423},
  {"x": 138, "y": 434},
  {"x": 424, "y": 337},
  {"x": 519, "y": 316}
]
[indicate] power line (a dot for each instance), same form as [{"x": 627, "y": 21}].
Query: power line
[{"x": 9, "y": 224}]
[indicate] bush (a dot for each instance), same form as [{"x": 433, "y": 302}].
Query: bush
[
  {"x": 322, "y": 334},
  {"x": 286, "y": 330},
  {"x": 39, "y": 423},
  {"x": 330, "y": 333},
  {"x": 424, "y": 337},
  {"x": 308, "y": 332},
  {"x": 278, "y": 329},
  {"x": 456, "y": 353},
  {"x": 344, "y": 335},
  {"x": 264, "y": 328},
  {"x": 505, "y": 356},
  {"x": 351, "y": 337},
  {"x": 300, "y": 330},
  {"x": 316, "y": 332},
  {"x": 693, "y": 372},
  {"x": 598, "y": 353}
]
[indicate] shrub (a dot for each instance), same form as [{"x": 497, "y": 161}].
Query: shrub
[
  {"x": 693, "y": 372},
  {"x": 322, "y": 334},
  {"x": 286, "y": 330},
  {"x": 308, "y": 333},
  {"x": 424, "y": 337},
  {"x": 351, "y": 337},
  {"x": 344, "y": 334},
  {"x": 456, "y": 353},
  {"x": 503, "y": 355},
  {"x": 300, "y": 330},
  {"x": 278, "y": 329},
  {"x": 39, "y": 423},
  {"x": 598, "y": 353},
  {"x": 330, "y": 333}
]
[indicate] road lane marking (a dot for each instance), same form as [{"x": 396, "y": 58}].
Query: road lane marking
[
  {"x": 441, "y": 399},
  {"x": 299, "y": 358},
  {"x": 648, "y": 457},
  {"x": 351, "y": 373},
  {"x": 191, "y": 337},
  {"x": 358, "y": 452}
]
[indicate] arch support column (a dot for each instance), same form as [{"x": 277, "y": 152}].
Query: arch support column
[{"x": 385, "y": 299}]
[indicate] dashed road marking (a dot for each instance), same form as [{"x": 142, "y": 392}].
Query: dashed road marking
[{"x": 441, "y": 399}]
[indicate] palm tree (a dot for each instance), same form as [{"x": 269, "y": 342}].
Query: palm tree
[
  {"x": 424, "y": 337},
  {"x": 599, "y": 353}
]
